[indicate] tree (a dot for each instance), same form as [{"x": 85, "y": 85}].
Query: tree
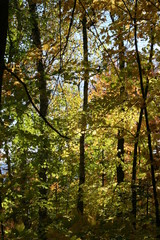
[
  {"x": 76, "y": 74},
  {"x": 80, "y": 205},
  {"x": 3, "y": 32},
  {"x": 146, "y": 116}
]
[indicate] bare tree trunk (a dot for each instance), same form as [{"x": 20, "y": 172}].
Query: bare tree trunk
[
  {"x": 134, "y": 194},
  {"x": 120, "y": 147},
  {"x": 146, "y": 118},
  {"x": 43, "y": 110},
  {"x": 80, "y": 205}
]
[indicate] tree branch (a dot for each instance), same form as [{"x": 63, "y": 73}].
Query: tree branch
[
  {"x": 70, "y": 26},
  {"x": 34, "y": 106}
]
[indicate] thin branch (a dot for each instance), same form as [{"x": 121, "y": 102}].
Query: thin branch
[
  {"x": 70, "y": 26},
  {"x": 99, "y": 39},
  {"x": 137, "y": 51},
  {"x": 34, "y": 106},
  {"x": 153, "y": 4},
  {"x": 127, "y": 9}
]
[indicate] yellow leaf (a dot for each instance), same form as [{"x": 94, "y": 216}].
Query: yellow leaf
[{"x": 45, "y": 47}]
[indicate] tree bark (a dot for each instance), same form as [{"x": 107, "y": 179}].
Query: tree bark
[
  {"x": 4, "y": 5},
  {"x": 120, "y": 147},
  {"x": 80, "y": 205}
]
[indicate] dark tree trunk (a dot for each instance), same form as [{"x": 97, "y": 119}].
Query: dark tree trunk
[
  {"x": 134, "y": 168},
  {"x": 1, "y": 209},
  {"x": 152, "y": 170},
  {"x": 3, "y": 35},
  {"x": 80, "y": 205},
  {"x": 120, "y": 154},
  {"x": 134, "y": 192},
  {"x": 43, "y": 110},
  {"x": 146, "y": 115},
  {"x": 120, "y": 147}
]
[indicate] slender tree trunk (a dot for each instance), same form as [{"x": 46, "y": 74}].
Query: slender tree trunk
[
  {"x": 120, "y": 154},
  {"x": 43, "y": 110},
  {"x": 120, "y": 147},
  {"x": 3, "y": 34},
  {"x": 103, "y": 173},
  {"x": 134, "y": 168},
  {"x": 8, "y": 161},
  {"x": 134, "y": 192},
  {"x": 146, "y": 117},
  {"x": 152, "y": 170},
  {"x": 1, "y": 222},
  {"x": 80, "y": 205},
  {"x": 4, "y": 4}
]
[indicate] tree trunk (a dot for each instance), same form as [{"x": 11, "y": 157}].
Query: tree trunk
[
  {"x": 134, "y": 168},
  {"x": 152, "y": 169},
  {"x": 120, "y": 154},
  {"x": 120, "y": 147},
  {"x": 134, "y": 192},
  {"x": 43, "y": 110},
  {"x": 1, "y": 209},
  {"x": 8, "y": 161},
  {"x": 146, "y": 115},
  {"x": 3, "y": 33},
  {"x": 80, "y": 205},
  {"x": 103, "y": 173},
  {"x": 4, "y": 5}
]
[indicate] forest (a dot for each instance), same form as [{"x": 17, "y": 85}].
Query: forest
[{"x": 79, "y": 119}]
